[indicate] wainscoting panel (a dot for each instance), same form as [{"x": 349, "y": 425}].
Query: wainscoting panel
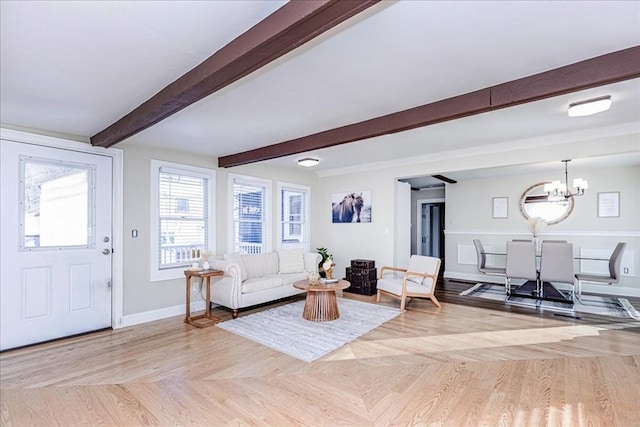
[{"x": 467, "y": 254}]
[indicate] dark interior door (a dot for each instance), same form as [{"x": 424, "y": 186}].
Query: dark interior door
[{"x": 433, "y": 231}]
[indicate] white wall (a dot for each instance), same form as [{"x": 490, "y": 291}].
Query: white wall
[
  {"x": 374, "y": 240},
  {"x": 139, "y": 293}
]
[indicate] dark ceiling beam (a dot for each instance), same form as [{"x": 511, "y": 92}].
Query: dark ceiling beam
[
  {"x": 287, "y": 28},
  {"x": 602, "y": 70},
  {"x": 445, "y": 179}
]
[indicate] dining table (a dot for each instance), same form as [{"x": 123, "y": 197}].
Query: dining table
[{"x": 548, "y": 291}]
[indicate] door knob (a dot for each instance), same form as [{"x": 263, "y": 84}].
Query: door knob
[{"x": 106, "y": 251}]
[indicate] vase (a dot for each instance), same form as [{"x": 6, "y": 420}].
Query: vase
[
  {"x": 206, "y": 265},
  {"x": 329, "y": 273},
  {"x": 314, "y": 278},
  {"x": 536, "y": 242}
]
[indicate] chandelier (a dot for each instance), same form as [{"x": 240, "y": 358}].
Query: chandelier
[{"x": 559, "y": 192}]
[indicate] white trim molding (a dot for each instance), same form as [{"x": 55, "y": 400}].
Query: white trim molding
[
  {"x": 618, "y": 233},
  {"x": 162, "y": 313}
]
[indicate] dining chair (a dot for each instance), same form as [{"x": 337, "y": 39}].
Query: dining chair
[
  {"x": 418, "y": 280},
  {"x": 556, "y": 265},
  {"x": 482, "y": 261},
  {"x": 611, "y": 278},
  {"x": 521, "y": 264}
]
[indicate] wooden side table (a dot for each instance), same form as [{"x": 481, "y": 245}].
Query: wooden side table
[
  {"x": 321, "y": 304},
  {"x": 206, "y": 319}
]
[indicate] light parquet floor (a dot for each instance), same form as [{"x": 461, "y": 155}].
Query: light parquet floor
[{"x": 454, "y": 366}]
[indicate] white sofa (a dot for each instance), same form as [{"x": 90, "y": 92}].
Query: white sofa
[{"x": 258, "y": 278}]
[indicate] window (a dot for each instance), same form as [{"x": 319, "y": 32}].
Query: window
[
  {"x": 181, "y": 216},
  {"x": 250, "y": 215},
  {"x": 56, "y": 206},
  {"x": 294, "y": 216}
]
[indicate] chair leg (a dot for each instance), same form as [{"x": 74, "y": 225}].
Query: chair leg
[
  {"x": 402, "y": 303},
  {"x": 435, "y": 301},
  {"x": 378, "y": 297}
]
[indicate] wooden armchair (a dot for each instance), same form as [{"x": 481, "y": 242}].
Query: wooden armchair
[{"x": 418, "y": 281}]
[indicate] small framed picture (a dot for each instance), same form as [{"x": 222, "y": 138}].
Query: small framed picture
[
  {"x": 609, "y": 204},
  {"x": 501, "y": 207}
]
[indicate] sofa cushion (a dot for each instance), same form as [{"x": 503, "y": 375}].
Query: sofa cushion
[
  {"x": 259, "y": 265},
  {"x": 289, "y": 278},
  {"x": 260, "y": 284},
  {"x": 237, "y": 258},
  {"x": 290, "y": 261}
]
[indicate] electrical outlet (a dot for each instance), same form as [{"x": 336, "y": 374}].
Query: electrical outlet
[{"x": 626, "y": 270}]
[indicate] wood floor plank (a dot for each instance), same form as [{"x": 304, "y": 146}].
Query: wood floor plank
[{"x": 458, "y": 365}]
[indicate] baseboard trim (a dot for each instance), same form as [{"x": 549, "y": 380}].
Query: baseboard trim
[{"x": 163, "y": 313}]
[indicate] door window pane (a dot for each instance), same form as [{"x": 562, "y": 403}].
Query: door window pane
[{"x": 56, "y": 204}]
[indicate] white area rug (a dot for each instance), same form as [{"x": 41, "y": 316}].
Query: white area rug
[
  {"x": 283, "y": 328},
  {"x": 603, "y": 306}
]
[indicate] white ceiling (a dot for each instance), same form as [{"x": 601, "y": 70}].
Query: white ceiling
[{"x": 76, "y": 67}]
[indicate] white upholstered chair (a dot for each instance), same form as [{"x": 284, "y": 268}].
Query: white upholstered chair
[
  {"x": 521, "y": 264},
  {"x": 482, "y": 262},
  {"x": 614, "y": 271},
  {"x": 418, "y": 280},
  {"x": 556, "y": 264}
]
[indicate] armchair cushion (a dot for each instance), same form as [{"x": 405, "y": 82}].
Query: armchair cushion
[
  {"x": 395, "y": 287},
  {"x": 422, "y": 264}
]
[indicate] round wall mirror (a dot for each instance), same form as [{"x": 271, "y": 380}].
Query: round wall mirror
[{"x": 534, "y": 203}]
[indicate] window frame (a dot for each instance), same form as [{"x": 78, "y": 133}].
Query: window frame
[
  {"x": 306, "y": 212},
  {"x": 267, "y": 232},
  {"x": 177, "y": 272}
]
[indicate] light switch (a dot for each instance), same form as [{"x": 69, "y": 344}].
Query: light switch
[{"x": 134, "y": 233}]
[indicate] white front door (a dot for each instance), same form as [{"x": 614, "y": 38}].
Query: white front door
[{"x": 55, "y": 243}]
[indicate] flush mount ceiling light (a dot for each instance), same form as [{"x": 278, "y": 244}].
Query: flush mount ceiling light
[
  {"x": 590, "y": 106},
  {"x": 308, "y": 162}
]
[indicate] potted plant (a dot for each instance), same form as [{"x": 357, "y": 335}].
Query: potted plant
[{"x": 325, "y": 256}]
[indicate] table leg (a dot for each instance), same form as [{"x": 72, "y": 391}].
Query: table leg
[
  {"x": 187, "y": 318},
  {"x": 207, "y": 309},
  {"x": 321, "y": 306}
]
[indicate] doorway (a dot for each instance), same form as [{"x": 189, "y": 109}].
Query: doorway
[{"x": 430, "y": 228}]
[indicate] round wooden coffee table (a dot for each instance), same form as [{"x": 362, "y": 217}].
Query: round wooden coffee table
[{"x": 321, "y": 304}]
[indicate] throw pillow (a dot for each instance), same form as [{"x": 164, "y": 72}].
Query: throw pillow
[{"x": 291, "y": 260}]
